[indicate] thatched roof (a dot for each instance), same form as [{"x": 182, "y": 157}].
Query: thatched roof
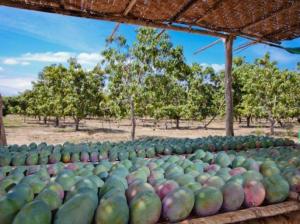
[{"x": 266, "y": 20}]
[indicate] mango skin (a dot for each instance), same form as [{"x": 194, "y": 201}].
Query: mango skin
[
  {"x": 233, "y": 196},
  {"x": 208, "y": 201},
  {"x": 178, "y": 204},
  {"x": 277, "y": 188},
  {"x": 145, "y": 208},
  {"x": 35, "y": 212},
  {"x": 255, "y": 193},
  {"x": 79, "y": 209},
  {"x": 166, "y": 187},
  {"x": 113, "y": 209}
]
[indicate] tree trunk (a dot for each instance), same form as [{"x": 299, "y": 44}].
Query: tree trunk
[
  {"x": 40, "y": 118},
  {"x": 133, "y": 121},
  {"x": 272, "y": 126},
  {"x": 56, "y": 121},
  {"x": 228, "y": 87},
  {"x": 177, "y": 122},
  {"x": 280, "y": 123},
  {"x": 3, "y": 140},
  {"x": 77, "y": 120},
  {"x": 240, "y": 120},
  {"x": 248, "y": 121},
  {"x": 45, "y": 120}
]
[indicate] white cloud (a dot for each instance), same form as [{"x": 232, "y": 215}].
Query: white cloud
[
  {"x": 10, "y": 61},
  {"x": 89, "y": 58},
  {"x": 216, "y": 67},
  {"x": 53, "y": 57},
  {"x": 14, "y": 85}
]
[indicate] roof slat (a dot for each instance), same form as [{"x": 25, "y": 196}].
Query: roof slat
[
  {"x": 285, "y": 6},
  {"x": 252, "y": 19},
  {"x": 129, "y": 7},
  {"x": 210, "y": 10}
]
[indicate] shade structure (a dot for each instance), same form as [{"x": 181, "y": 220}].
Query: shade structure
[{"x": 264, "y": 20}]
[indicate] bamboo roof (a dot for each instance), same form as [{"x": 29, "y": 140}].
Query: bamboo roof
[{"x": 263, "y": 20}]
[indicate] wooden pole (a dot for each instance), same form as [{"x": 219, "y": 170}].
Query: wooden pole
[
  {"x": 228, "y": 87},
  {"x": 2, "y": 132},
  {"x": 207, "y": 46}
]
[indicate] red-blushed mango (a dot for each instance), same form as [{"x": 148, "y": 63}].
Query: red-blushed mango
[
  {"x": 84, "y": 157},
  {"x": 94, "y": 157},
  {"x": 164, "y": 188},
  {"x": 255, "y": 193},
  {"x": 213, "y": 168},
  {"x": 233, "y": 196},
  {"x": 237, "y": 171},
  {"x": 178, "y": 204},
  {"x": 66, "y": 157},
  {"x": 56, "y": 187},
  {"x": 72, "y": 167},
  {"x": 277, "y": 188},
  {"x": 145, "y": 208},
  {"x": 208, "y": 201},
  {"x": 136, "y": 188}
]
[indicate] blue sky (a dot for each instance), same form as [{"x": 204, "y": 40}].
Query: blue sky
[{"x": 30, "y": 40}]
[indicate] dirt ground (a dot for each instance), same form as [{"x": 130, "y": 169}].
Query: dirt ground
[{"x": 25, "y": 131}]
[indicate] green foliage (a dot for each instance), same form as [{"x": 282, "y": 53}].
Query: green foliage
[
  {"x": 65, "y": 91},
  {"x": 151, "y": 78}
]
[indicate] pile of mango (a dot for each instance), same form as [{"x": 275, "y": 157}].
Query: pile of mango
[
  {"x": 168, "y": 188},
  {"x": 38, "y": 154}
]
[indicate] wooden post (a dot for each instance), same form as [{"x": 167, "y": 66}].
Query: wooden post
[
  {"x": 2, "y": 132},
  {"x": 228, "y": 87}
]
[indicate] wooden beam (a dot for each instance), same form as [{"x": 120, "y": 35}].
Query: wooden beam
[
  {"x": 228, "y": 87},
  {"x": 260, "y": 213},
  {"x": 114, "y": 31},
  {"x": 126, "y": 11},
  {"x": 129, "y": 7},
  {"x": 54, "y": 7},
  {"x": 183, "y": 9},
  {"x": 245, "y": 45},
  {"x": 160, "y": 33},
  {"x": 211, "y": 9},
  {"x": 284, "y": 29},
  {"x": 285, "y": 6},
  {"x": 208, "y": 46},
  {"x": 3, "y": 141},
  {"x": 266, "y": 36}
]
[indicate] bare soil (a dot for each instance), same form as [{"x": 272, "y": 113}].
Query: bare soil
[{"x": 20, "y": 130}]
